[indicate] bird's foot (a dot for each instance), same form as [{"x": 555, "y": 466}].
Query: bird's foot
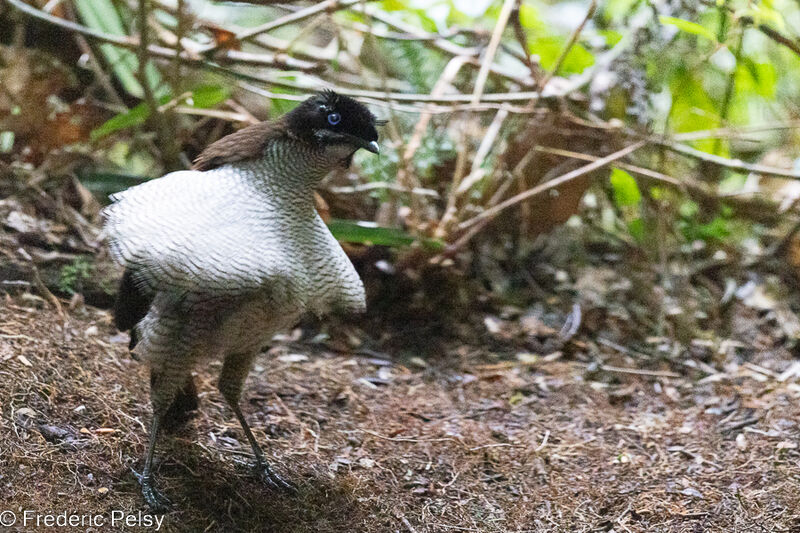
[
  {"x": 157, "y": 502},
  {"x": 272, "y": 479}
]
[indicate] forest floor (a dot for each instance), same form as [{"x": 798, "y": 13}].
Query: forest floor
[
  {"x": 660, "y": 406},
  {"x": 469, "y": 439}
]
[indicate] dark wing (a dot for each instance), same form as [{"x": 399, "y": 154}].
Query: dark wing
[
  {"x": 247, "y": 143},
  {"x": 132, "y": 304}
]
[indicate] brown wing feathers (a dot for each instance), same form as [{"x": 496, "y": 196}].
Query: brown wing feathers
[{"x": 246, "y": 143}]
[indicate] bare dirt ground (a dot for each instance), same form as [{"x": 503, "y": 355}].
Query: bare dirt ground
[{"x": 469, "y": 442}]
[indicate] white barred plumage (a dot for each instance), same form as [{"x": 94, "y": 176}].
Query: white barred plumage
[{"x": 219, "y": 260}]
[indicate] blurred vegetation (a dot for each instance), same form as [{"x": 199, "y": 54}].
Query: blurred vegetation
[{"x": 666, "y": 129}]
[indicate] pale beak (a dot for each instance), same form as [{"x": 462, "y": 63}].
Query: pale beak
[{"x": 373, "y": 147}]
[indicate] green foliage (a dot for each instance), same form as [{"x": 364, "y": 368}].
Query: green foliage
[
  {"x": 73, "y": 275},
  {"x": 280, "y": 106},
  {"x": 104, "y": 184},
  {"x": 370, "y": 233},
  {"x": 626, "y": 191},
  {"x": 689, "y": 27},
  {"x": 414, "y": 62},
  {"x": 435, "y": 148},
  {"x": 628, "y": 199},
  {"x": 379, "y": 168},
  {"x": 548, "y": 46},
  {"x": 716, "y": 230},
  {"x": 686, "y": 67},
  {"x": 208, "y": 96},
  {"x": 136, "y": 116},
  {"x": 102, "y": 15},
  {"x": 203, "y": 97}
]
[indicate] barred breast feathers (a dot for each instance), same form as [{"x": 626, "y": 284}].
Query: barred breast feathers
[
  {"x": 198, "y": 231},
  {"x": 237, "y": 229}
]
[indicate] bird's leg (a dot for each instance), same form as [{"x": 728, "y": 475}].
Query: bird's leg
[
  {"x": 165, "y": 382},
  {"x": 231, "y": 379},
  {"x": 263, "y": 469},
  {"x": 155, "y": 500}
]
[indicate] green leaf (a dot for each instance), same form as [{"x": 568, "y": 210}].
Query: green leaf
[
  {"x": 626, "y": 191},
  {"x": 133, "y": 117},
  {"x": 549, "y": 49},
  {"x": 531, "y": 20},
  {"x": 761, "y": 78},
  {"x": 393, "y": 5},
  {"x": 103, "y": 184},
  {"x": 688, "y": 27},
  {"x": 207, "y": 96},
  {"x": 370, "y": 233},
  {"x": 636, "y": 229}
]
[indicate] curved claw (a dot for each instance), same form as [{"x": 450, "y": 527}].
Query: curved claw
[
  {"x": 273, "y": 480},
  {"x": 157, "y": 502}
]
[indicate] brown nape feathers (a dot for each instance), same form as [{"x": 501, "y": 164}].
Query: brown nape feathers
[{"x": 247, "y": 143}]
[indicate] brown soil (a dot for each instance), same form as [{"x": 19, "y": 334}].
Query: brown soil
[{"x": 464, "y": 444}]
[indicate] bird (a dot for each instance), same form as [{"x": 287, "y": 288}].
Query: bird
[{"x": 219, "y": 258}]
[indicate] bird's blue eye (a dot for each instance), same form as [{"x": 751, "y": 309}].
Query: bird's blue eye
[{"x": 334, "y": 119}]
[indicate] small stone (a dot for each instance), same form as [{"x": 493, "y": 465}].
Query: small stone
[
  {"x": 418, "y": 362},
  {"x": 741, "y": 442},
  {"x": 102, "y": 490},
  {"x": 293, "y": 358},
  {"x": 366, "y": 462}
]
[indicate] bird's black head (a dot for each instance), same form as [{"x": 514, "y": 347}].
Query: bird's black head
[{"x": 329, "y": 119}]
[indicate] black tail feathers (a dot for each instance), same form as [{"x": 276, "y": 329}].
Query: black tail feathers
[{"x": 131, "y": 305}]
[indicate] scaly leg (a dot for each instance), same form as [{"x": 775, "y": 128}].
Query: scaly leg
[
  {"x": 154, "y": 498},
  {"x": 165, "y": 382},
  {"x": 234, "y": 370}
]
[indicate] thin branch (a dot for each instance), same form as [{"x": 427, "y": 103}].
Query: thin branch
[
  {"x": 556, "y": 182},
  {"x": 491, "y": 50},
  {"x": 228, "y": 56},
  {"x": 734, "y": 132},
  {"x": 646, "y": 172},
  {"x": 774, "y": 34},
  {"x": 447, "y": 47},
  {"x": 770, "y": 32},
  {"x": 734, "y": 164},
  {"x": 477, "y": 223},
  {"x": 234, "y": 56},
  {"x": 382, "y": 185},
  {"x": 307, "y": 51},
  {"x": 447, "y": 76},
  {"x": 327, "y": 5},
  {"x": 639, "y": 372},
  {"x": 570, "y": 43},
  {"x": 438, "y": 42},
  {"x": 476, "y": 173},
  {"x": 727, "y": 99},
  {"x": 165, "y": 130},
  {"x": 180, "y": 33},
  {"x": 522, "y": 39}
]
